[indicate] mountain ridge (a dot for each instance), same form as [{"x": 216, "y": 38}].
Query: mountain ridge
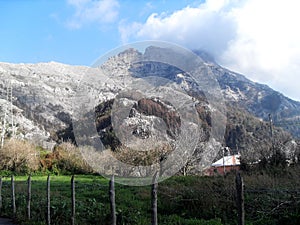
[{"x": 43, "y": 95}]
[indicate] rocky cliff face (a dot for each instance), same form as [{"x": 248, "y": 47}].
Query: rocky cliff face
[
  {"x": 42, "y": 102},
  {"x": 41, "y": 98},
  {"x": 258, "y": 99}
]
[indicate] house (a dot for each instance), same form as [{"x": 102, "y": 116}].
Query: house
[{"x": 224, "y": 165}]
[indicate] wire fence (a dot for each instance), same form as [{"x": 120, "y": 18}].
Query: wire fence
[
  {"x": 52, "y": 200},
  {"x": 82, "y": 201}
]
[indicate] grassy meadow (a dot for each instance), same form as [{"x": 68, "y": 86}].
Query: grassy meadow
[
  {"x": 272, "y": 192},
  {"x": 181, "y": 200}
]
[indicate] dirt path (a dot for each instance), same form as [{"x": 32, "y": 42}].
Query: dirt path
[{"x": 5, "y": 221}]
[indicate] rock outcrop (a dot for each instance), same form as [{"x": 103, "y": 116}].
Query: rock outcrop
[{"x": 43, "y": 102}]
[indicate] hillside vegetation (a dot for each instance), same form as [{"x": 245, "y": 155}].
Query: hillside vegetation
[{"x": 23, "y": 157}]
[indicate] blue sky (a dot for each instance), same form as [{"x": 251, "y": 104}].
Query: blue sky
[
  {"x": 34, "y": 31},
  {"x": 257, "y": 38}
]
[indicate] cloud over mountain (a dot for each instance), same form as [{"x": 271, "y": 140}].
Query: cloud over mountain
[{"x": 257, "y": 38}]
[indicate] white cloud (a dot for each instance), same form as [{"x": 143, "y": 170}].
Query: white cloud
[
  {"x": 189, "y": 26},
  {"x": 127, "y": 30},
  {"x": 258, "y": 38},
  {"x": 267, "y": 45},
  {"x": 93, "y": 11}
]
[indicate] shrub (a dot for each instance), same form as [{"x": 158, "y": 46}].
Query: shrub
[
  {"x": 68, "y": 159},
  {"x": 19, "y": 156}
]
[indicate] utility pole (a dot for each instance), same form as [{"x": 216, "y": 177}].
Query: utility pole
[
  {"x": 11, "y": 111},
  {"x": 1, "y": 120},
  {"x": 224, "y": 169},
  {"x": 8, "y": 112},
  {"x": 1, "y": 124},
  {"x": 272, "y": 138},
  {"x": 271, "y": 126},
  {"x": 271, "y": 131},
  {"x": 4, "y": 120}
]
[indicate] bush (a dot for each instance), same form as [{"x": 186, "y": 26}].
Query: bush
[
  {"x": 23, "y": 157},
  {"x": 67, "y": 158},
  {"x": 19, "y": 156}
]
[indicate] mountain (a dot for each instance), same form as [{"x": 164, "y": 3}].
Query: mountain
[
  {"x": 42, "y": 97},
  {"x": 249, "y": 104},
  {"x": 259, "y": 99}
]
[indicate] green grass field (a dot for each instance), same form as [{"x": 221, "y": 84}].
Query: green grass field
[
  {"x": 92, "y": 202},
  {"x": 187, "y": 200}
]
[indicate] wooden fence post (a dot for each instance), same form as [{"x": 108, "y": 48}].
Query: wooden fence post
[
  {"x": 13, "y": 196},
  {"x": 48, "y": 200},
  {"x": 73, "y": 200},
  {"x": 112, "y": 200},
  {"x": 240, "y": 199},
  {"x": 0, "y": 195},
  {"x": 154, "y": 199},
  {"x": 28, "y": 197}
]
